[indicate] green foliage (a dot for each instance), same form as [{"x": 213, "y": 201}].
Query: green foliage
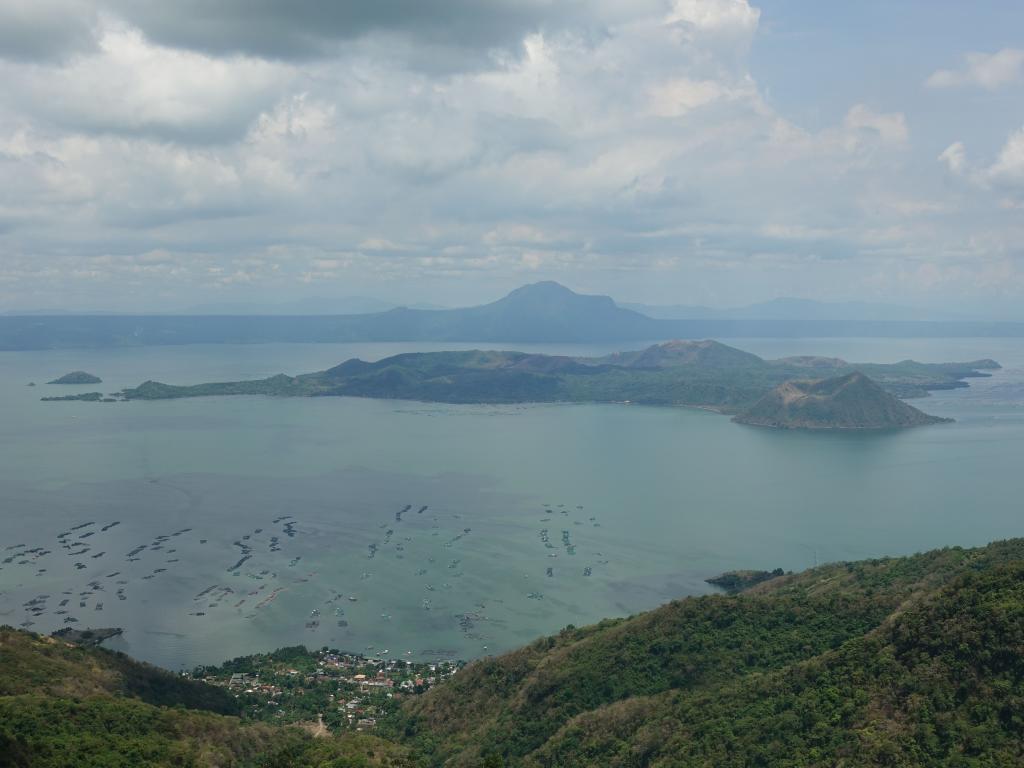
[
  {"x": 104, "y": 732},
  {"x": 804, "y": 669},
  {"x": 33, "y": 664},
  {"x": 942, "y": 684},
  {"x": 890, "y": 662},
  {"x": 66, "y": 705}
]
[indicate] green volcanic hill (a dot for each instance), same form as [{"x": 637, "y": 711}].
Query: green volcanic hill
[
  {"x": 77, "y": 377},
  {"x": 852, "y": 401},
  {"x": 912, "y": 661}
]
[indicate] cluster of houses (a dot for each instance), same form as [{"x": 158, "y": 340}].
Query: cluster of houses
[{"x": 358, "y": 686}]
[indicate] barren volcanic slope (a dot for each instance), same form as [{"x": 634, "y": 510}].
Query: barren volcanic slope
[{"x": 843, "y": 402}]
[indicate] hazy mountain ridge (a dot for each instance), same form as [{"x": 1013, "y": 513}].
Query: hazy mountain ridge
[
  {"x": 807, "y": 310},
  {"x": 540, "y": 313}
]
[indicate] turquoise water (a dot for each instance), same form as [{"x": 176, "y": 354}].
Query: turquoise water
[{"x": 652, "y": 501}]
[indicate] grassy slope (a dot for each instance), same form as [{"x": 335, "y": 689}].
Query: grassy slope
[
  {"x": 617, "y": 692},
  {"x": 32, "y": 664},
  {"x": 62, "y": 705}
]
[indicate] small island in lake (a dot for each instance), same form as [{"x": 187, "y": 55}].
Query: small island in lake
[
  {"x": 77, "y": 377},
  {"x": 734, "y": 582},
  {"x": 852, "y": 401},
  {"x": 88, "y": 397},
  {"x": 86, "y": 637}
]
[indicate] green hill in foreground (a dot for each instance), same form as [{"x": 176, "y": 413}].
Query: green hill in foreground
[
  {"x": 903, "y": 662},
  {"x": 69, "y": 706},
  {"x": 892, "y": 662}
]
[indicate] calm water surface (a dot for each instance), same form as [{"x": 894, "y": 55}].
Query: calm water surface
[{"x": 294, "y": 507}]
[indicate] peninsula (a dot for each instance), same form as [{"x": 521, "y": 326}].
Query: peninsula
[{"x": 705, "y": 374}]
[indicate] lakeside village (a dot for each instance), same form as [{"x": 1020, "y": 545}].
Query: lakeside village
[{"x": 328, "y": 688}]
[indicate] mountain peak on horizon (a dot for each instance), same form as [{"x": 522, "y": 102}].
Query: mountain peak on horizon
[
  {"x": 543, "y": 285},
  {"x": 549, "y": 290},
  {"x": 549, "y": 296}
]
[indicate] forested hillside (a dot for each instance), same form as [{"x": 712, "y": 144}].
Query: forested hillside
[
  {"x": 891, "y": 662},
  {"x": 908, "y": 661},
  {"x": 63, "y": 705}
]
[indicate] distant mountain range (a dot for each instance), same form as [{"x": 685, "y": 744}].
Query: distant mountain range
[
  {"x": 543, "y": 312},
  {"x": 805, "y": 310},
  {"x": 313, "y": 305}
]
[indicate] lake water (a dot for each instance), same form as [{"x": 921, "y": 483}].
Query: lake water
[{"x": 639, "y": 504}]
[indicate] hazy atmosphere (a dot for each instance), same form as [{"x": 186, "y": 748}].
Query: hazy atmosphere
[
  {"x": 511, "y": 383},
  {"x": 172, "y": 156}
]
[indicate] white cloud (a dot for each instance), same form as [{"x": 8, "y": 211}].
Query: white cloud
[
  {"x": 984, "y": 70},
  {"x": 955, "y": 157},
  {"x": 129, "y": 86},
  {"x": 1009, "y": 165},
  {"x": 1005, "y": 174},
  {"x": 628, "y": 138},
  {"x": 677, "y": 97},
  {"x": 890, "y": 127},
  {"x": 714, "y": 16}
]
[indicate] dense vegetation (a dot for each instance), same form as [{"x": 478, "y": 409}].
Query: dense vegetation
[
  {"x": 64, "y": 705},
  {"x": 699, "y": 373},
  {"x": 889, "y": 662},
  {"x": 905, "y": 661}
]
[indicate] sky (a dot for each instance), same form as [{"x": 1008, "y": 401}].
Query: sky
[{"x": 156, "y": 156}]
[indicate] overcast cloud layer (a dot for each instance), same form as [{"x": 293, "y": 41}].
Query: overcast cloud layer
[{"x": 155, "y": 155}]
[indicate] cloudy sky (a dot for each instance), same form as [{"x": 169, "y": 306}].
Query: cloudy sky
[{"x": 157, "y": 155}]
